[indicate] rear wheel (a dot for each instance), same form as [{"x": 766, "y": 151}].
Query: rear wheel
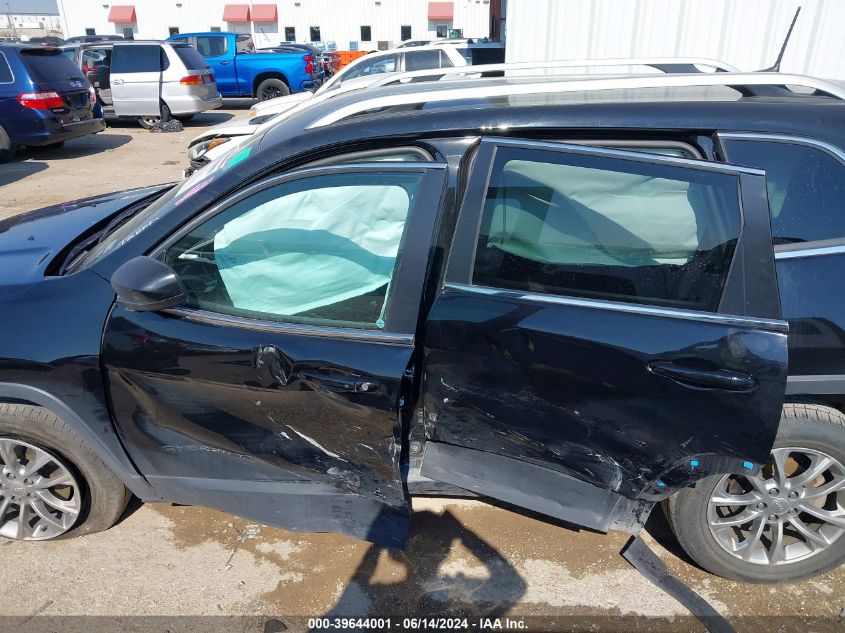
[
  {"x": 7, "y": 148},
  {"x": 148, "y": 122},
  {"x": 785, "y": 524},
  {"x": 272, "y": 89},
  {"x": 51, "y": 484}
]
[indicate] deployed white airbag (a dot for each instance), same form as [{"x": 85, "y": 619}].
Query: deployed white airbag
[{"x": 312, "y": 248}]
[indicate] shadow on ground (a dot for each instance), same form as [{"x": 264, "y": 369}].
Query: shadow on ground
[
  {"x": 18, "y": 170},
  {"x": 422, "y": 582},
  {"x": 75, "y": 148}
]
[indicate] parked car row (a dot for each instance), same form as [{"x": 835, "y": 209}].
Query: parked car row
[{"x": 361, "y": 73}]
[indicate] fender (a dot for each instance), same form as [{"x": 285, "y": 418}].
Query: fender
[{"x": 114, "y": 457}]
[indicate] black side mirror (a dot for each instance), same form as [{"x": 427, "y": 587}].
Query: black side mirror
[{"x": 145, "y": 284}]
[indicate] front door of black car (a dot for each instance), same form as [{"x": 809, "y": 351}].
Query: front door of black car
[
  {"x": 610, "y": 329},
  {"x": 275, "y": 394}
]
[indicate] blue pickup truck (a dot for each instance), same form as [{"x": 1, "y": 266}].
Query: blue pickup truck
[{"x": 241, "y": 71}]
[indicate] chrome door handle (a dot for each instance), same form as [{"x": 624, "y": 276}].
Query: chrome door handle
[{"x": 117, "y": 82}]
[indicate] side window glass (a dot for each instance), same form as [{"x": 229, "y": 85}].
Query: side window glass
[
  {"x": 5, "y": 71},
  {"x": 320, "y": 250},
  {"x": 806, "y": 188},
  {"x": 210, "y": 46},
  {"x": 422, "y": 60},
  {"x": 375, "y": 67},
  {"x": 136, "y": 59},
  {"x": 445, "y": 62},
  {"x": 607, "y": 228}
]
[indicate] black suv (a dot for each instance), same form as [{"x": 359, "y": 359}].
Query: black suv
[{"x": 560, "y": 296}]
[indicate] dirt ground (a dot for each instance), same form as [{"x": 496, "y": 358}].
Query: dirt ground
[{"x": 180, "y": 568}]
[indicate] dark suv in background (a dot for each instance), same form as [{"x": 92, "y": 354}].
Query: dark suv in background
[
  {"x": 562, "y": 295},
  {"x": 44, "y": 99}
]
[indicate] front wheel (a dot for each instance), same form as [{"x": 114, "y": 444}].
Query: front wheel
[
  {"x": 52, "y": 485},
  {"x": 272, "y": 89},
  {"x": 785, "y": 524}
]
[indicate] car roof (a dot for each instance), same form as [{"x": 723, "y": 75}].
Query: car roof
[{"x": 657, "y": 109}]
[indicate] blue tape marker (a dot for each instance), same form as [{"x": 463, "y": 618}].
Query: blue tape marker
[
  {"x": 694, "y": 463},
  {"x": 747, "y": 465},
  {"x": 660, "y": 484}
]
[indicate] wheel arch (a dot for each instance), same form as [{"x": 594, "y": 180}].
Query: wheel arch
[
  {"x": 270, "y": 74},
  {"x": 118, "y": 463}
]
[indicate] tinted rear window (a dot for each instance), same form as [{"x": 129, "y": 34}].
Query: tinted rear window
[
  {"x": 49, "y": 65},
  {"x": 136, "y": 59},
  {"x": 190, "y": 57},
  {"x": 5, "y": 71}
]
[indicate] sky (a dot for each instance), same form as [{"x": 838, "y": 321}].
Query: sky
[{"x": 29, "y": 6}]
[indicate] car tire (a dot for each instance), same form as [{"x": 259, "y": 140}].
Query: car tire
[
  {"x": 808, "y": 435},
  {"x": 149, "y": 122},
  {"x": 272, "y": 89},
  {"x": 93, "y": 496},
  {"x": 7, "y": 148}
]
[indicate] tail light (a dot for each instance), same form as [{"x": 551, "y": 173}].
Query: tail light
[
  {"x": 92, "y": 95},
  {"x": 197, "y": 80},
  {"x": 192, "y": 80},
  {"x": 41, "y": 100},
  {"x": 309, "y": 67}
]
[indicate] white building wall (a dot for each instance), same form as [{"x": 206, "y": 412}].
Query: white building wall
[
  {"x": 339, "y": 20},
  {"x": 745, "y": 33},
  {"x": 30, "y": 21}
]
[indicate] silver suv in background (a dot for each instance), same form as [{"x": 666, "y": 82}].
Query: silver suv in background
[{"x": 150, "y": 81}]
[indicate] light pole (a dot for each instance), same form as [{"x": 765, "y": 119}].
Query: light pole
[{"x": 11, "y": 22}]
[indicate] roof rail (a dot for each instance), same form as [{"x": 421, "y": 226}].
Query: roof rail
[
  {"x": 664, "y": 64},
  {"x": 743, "y": 82}
]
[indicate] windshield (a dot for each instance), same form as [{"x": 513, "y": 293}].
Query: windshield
[{"x": 181, "y": 192}]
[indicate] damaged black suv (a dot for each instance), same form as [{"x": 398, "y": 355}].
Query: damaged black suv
[{"x": 563, "y": 296}]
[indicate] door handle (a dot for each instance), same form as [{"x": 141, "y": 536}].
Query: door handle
[
  {"x": 351, "y": 384},
  {"x": 710, "y": 379},
  {"x": 224, "y": 63},
  {"x": 117, "y": 82}
]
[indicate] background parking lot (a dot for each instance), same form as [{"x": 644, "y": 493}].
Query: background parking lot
[{"x": 464, "y": 557}]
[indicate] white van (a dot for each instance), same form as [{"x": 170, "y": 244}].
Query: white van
[{"x": 150, "y": 81}]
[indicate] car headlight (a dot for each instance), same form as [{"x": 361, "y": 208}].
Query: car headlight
[
  {"x": 252, "y": 112},
  {"x": 200, "y": 149}
]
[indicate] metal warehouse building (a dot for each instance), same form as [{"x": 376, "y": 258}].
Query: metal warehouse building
[
  {"x": 351, "y": 24},
  {"x": 745, "y": 33}
]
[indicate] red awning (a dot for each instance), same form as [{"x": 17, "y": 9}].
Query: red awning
[
  {"x": 265, "y": 13},
  {"x": 236, "y": 13},
  {"x": 122, "y": 13},
  {"x": 441, "y": 10}
]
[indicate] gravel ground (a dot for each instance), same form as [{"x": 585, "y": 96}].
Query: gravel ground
[{"x": 167, "y": 566}]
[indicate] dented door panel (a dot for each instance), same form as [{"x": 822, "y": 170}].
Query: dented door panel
[
  {"x": 207, "y": 408},
  {"x": 569, "y": 388}
]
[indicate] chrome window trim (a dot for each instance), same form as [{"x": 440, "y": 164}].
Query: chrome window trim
[
  {"x": 805, "y": 249},
  {"x": 831, "y": 149},
  {"x": 11, "y": 70},
  {"x": 624, "y": 154},
  {"x": 630, "y": 308},
  {"x": 286, "y": 327},
  {"x": 811, "y": 251},
  {"x": 591, "y": 83}
]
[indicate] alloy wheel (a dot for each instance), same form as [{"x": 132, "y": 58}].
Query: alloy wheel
[
  {"x": 794, "y": 509},
  {"x": 150, "y": 121},
  {"x": 39, "y": 496}
]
